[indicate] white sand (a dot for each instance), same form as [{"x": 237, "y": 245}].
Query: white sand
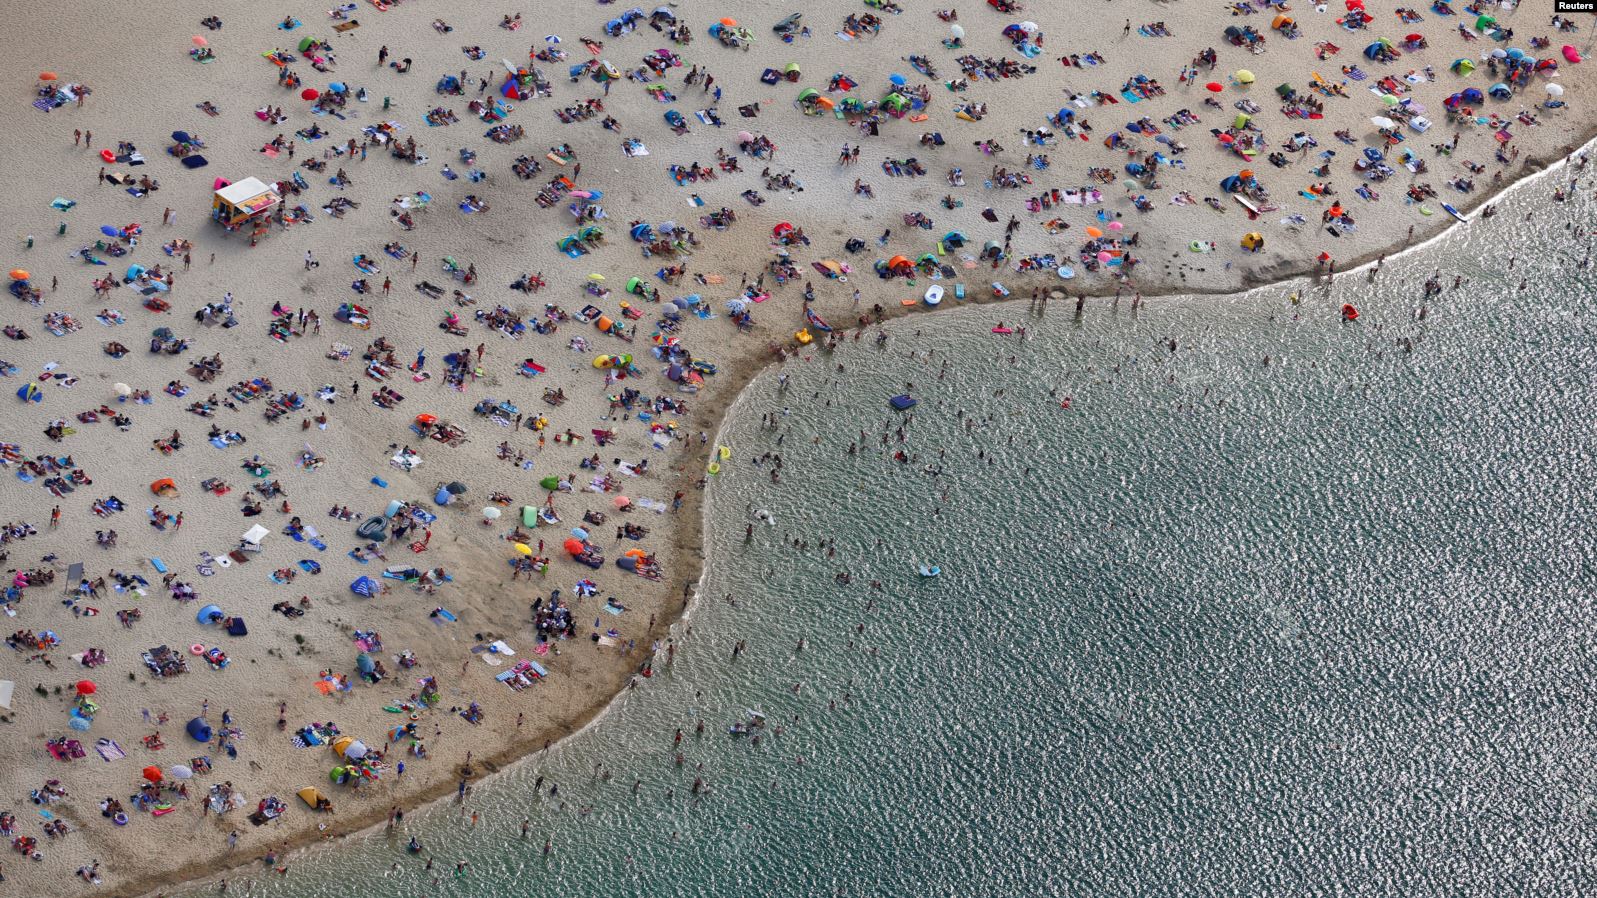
[{"x": 145, "y": 87}]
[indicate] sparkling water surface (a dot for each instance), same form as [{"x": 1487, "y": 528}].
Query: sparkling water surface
[{"x": 1317, "y": 625}]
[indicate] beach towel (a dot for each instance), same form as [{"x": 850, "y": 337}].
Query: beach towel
[{"x": 109, "y": 750}]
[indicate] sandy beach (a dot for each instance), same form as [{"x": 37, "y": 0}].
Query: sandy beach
[{"x": 357, "y": 347}]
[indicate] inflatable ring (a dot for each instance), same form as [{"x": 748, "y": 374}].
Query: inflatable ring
[
  {"x": 120, "y": 819},
  {"x": 196, "y": 649},
  {"x": 1195, "y": 246},
  {"x": 415, "y": 716},
  {"x": 715, "y": 467},
  {"x": 107, "y": 155}
]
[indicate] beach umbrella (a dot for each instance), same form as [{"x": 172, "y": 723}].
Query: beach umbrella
[
  {"x": 355, "y": 750},
  {"x": 573, "y": 546},
  {"x": 181, "y": 771},
  {"x": 1214, "y": 87},
  {"x": 1094, "y": 232},
  {"x": 1105, "y": 256},
  {"x": 123, "y": 390},
  {"x": 621, "y": 502},
  {"x": 491, "y": 514},
  {"x": 730, "y": 22},
  {"x": 958, "y": 31},
  {"x": 1389, "y": 99},
  {"x": 1244, "y": 76},
  {"x": 523, "y": 549},
  {"x": 897, "y": 79},
  {"x": 48, "y": 76},
  {"x": 579, "y": 533},
  {"x": 1414, "y": 37},
  {"x": 87, "y": 687},
  {"x": 81, "y": 724},
  {"x": 1116, "y": 225},
  {"x": 364, "y": 663},
  {"x": 1499, "y": 53},
  {"x": 309, "y": 93},
  {"x": 337, "y": 87},
  {"x": 456, "y": 488},
  {"x": 595, "y": 277},
  {"x": 1555, "y": 90},
  {"x": 1383, "y": 122},
  {"x": 199, "y": 41},
  {"x": 19, "y": 274},
  {"x": 1227, "y": 139},
  {"x": 551, "y": 38},
  {"x": 152, "y": 773}
]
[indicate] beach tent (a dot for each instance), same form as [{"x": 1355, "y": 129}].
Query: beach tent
[
  {"x": 311, "y": 797},
  {"x": 30, "y": 392},
  {"x": 1484, "y": 22},
  {"x": 341, "y": 743},
  {"x": 210, "y": 614},
  {"x": 364, "y": 664},
  {"x": 1500, "y": 91},
  {"x": 365, "y": 586},
  {"x": 1472, "y": 95},
  {"x": 255, "y": 534},
  {"x": 1462, "y": 66},
  {"x": 164, "y": 488},
  {"x": 240, "y": 201},
  {"x": 199, "y": 730}
]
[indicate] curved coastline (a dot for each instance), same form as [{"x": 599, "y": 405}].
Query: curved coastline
[{"x": 686, "y": 553}]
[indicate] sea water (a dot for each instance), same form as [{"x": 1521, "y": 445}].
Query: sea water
[{"x": 1289, "y": 610}]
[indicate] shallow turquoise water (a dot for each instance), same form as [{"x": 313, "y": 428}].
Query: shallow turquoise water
[{"x": 1318, "y": 626}]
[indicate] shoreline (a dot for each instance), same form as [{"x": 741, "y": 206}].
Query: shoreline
[
  {"x": 688, "y": 545},
  {"x": 139, "y": 97}
]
